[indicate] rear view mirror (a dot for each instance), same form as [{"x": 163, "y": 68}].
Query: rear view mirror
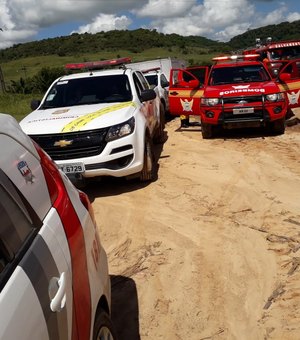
[
  {"x": 194, "y": 83},
  {"x": 35, "y": 103},
  {"x": 284, "y": 77},
  {"x": 148, "y": 95},
  {"x": 191, "y": 83}
]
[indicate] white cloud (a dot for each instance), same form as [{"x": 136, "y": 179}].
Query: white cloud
[
  {"x": 208, "y": 18},
  {"x": 231, "y": 31},
  {"x": 293, "y": 16},
  {"x": 275, "y": 16},
  {"x": 165, "y": 8},
  {"x": 105, "y": 22},
  {"x": 22, "y": 19}
]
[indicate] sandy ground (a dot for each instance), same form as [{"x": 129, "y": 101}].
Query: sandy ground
[{"x": 211, "y": 248}]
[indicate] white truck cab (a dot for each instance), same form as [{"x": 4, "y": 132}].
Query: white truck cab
[{"x": 159, "y": 82}]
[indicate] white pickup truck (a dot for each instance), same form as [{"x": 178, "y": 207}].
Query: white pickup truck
[
  {"x": 159, "y": 82},
  {"x": 99, "y": 123}
]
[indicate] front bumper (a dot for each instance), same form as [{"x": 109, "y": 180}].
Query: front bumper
[
  {"x": 255, "y": 113},
  {"x": 118, "y": 158}
]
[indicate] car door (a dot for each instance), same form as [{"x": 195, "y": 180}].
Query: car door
[
  {"x": 186, "y": 89},
  {"x": 36, "y": 298},
  {"x": 164, "y": 84},
  {"x": 149, "y": 108},
  {"x": 289, "y": 82}
]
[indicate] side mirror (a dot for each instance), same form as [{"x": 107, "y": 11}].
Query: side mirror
[
  {"x": 194, "y": 83},
  {"x": 35, "y": 103},
  {"x": 191, "y": 83},
  {"x": 148, "y": 95},
  {"x": 285, "y": 77}
]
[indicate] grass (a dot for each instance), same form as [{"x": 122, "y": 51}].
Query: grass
[
  {"x": 28, "y": 67},
  {"x": 17, "y": 105}
]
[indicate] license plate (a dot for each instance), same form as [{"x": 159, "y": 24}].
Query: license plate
[
  {"x": 72, "y": 168},
  {"x": 243, "y": 111}
]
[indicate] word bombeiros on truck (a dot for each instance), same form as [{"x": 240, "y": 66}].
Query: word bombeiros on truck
[
  {"x": 99, "y": 122},
  {"x": 237, "y": 91}
]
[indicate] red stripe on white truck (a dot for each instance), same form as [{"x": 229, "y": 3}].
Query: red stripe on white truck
[{"x": 74, "y": 232}]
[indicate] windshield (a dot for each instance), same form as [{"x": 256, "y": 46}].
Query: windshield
[
  {"x": 238, "y": 74},
  {"x": 90, "y": 90},
  {"x": 152, "y": 79},
  {"x": 285, "y": 53}
]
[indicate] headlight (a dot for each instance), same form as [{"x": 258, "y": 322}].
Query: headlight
[
  {"x": 210, "y": 101},
  {"x": 275, "y": 97},
  {"x": 120, "y": 130}
]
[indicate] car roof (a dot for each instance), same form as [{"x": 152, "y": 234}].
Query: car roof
[
  {"x": 94, "y": 73},
  {"x": 11, "y": 128}
]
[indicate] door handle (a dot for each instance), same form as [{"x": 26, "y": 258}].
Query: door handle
[
  {"x": 174, "y": 93},
  {"x": 58, "y": 285}
]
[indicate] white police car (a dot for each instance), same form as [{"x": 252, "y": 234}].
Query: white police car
[
  {"x": 54, "y": 281},
  {"x": 99, "y": 123}
]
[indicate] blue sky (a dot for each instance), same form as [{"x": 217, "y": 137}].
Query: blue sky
[{"x": 30, "y": 20}]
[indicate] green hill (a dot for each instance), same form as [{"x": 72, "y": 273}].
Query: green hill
[
  {"x": 282, "y": 31},
  {"x": 136, "y": 41}
]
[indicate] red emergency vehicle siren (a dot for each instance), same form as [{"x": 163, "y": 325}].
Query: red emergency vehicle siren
[
  {"x": 96, "y": 65},
  {"x": 252, "y": 56}
]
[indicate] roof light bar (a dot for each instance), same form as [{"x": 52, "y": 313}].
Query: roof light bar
[
  {"x": 94, "y": 65},
  {"x": 236, "y": 57}
]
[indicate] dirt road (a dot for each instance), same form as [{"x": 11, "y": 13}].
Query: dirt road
[{"x": 211, "y": 249}]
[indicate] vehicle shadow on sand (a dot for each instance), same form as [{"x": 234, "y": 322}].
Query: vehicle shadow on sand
[
  {"x": 114, "y": 186},
  {"x": 237, "y": 133},
  {"x": 125, "y": 309}
]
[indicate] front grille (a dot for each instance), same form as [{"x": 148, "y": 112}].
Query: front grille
[
  {"x": 230, "y": 106},
  {"x": 242, "y": 99},
  {"x": 80, "y": 144}
]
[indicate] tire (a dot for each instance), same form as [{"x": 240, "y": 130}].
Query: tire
[
  {"x": 147, "y": 172},
  {"x": 278, "y": 127},
  {"x": 207, "y": 130},
  {"x": 103, "y": 327},
  {"x": 159, "y": 136}
]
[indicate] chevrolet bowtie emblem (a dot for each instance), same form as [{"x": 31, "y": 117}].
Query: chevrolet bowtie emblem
[{"x": 62, "y": 143}]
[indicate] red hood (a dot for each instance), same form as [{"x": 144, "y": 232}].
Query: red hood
[{"x": 245, "y": 89}]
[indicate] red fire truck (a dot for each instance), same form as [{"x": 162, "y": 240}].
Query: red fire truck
[
  {"x": 275, "y": 54},
  {"x": 237, "y": 91}
]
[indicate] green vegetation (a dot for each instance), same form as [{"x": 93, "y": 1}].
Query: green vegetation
[
  {"x": 282, "y": 31},
  {"x": 136, "y": 41},
  {"x": 17, "y": 105},
  {"x": 31, "y": 67}
]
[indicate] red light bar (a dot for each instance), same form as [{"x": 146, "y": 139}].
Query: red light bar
[
  {"x": 236, "y": 57},
  {"x": 94, "y": 65}
]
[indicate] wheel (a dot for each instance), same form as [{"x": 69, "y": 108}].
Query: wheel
[
  {"x": 103, "y": 327},
  {"x": 207, "y": 130},
  {"x": 147, "y": 172},
  {"x": 278, "y": 126},
  {"x": 159, "y": 136}
]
